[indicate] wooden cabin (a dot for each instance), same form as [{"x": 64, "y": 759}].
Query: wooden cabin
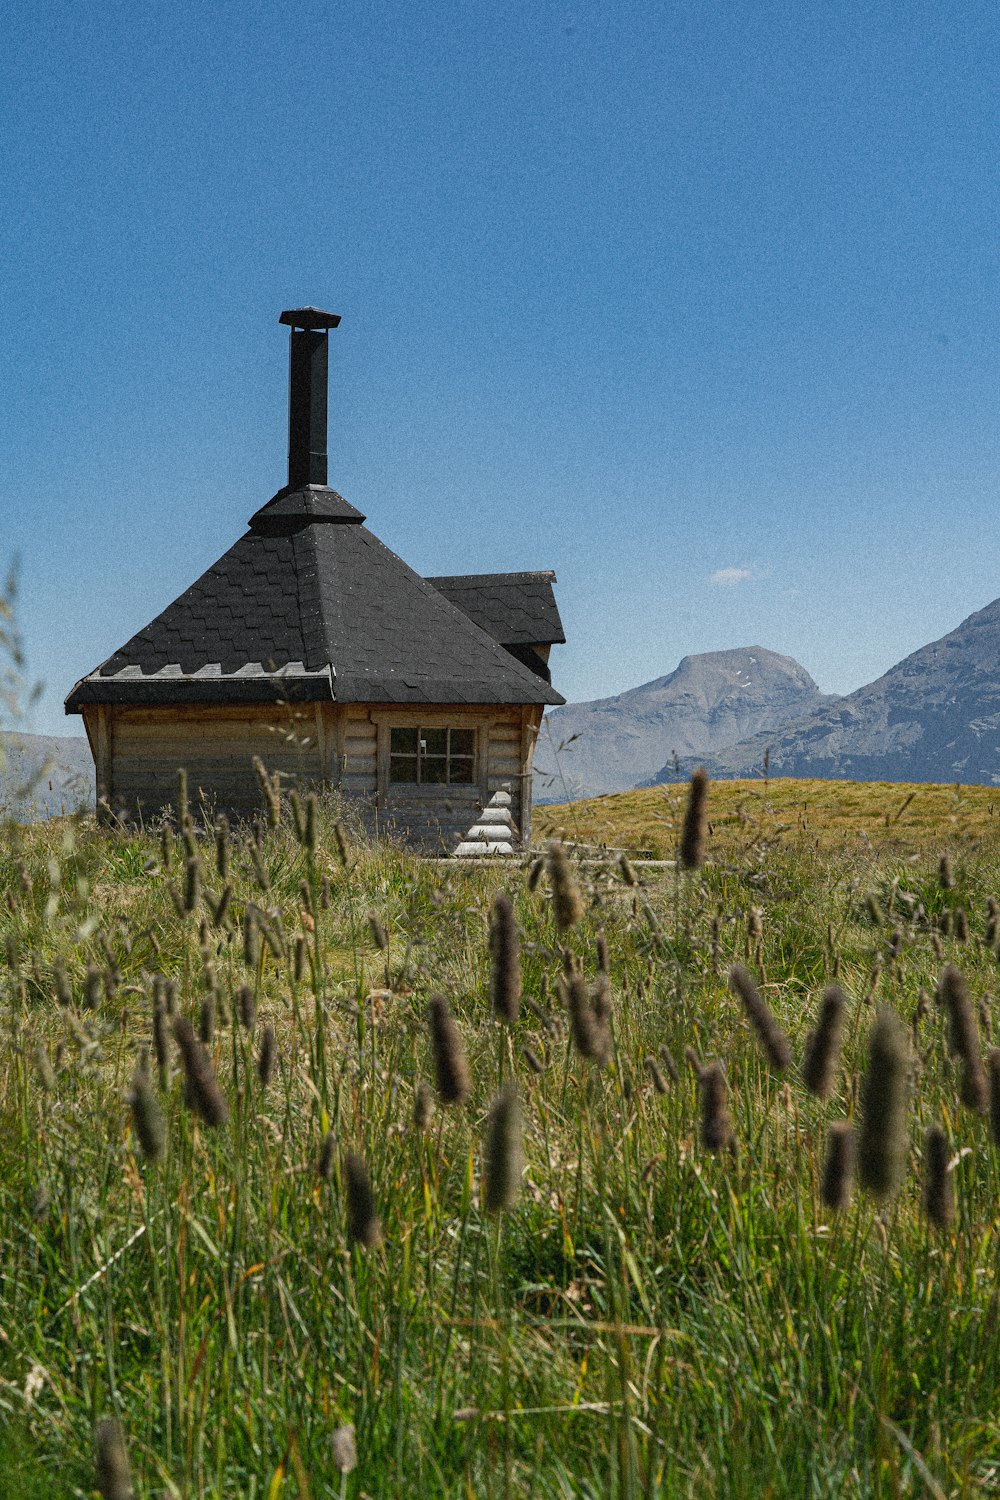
[{"x": 311, "y": 645}]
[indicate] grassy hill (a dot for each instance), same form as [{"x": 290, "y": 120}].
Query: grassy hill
[
  {"x": 670, "y": 1306},
  {"x": 786, "y": 813}
]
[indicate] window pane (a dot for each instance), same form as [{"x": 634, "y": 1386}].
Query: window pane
[
  {"x": 463, "y": 741},
  {"x": 403, "y": 768},
  {"x": 403, "y": 742},
  {"x": 434, "y": 741},
  {"x": 461, "y": 769},
  {"x": 434, "y": 768}
]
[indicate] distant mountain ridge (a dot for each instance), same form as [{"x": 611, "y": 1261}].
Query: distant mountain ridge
[
  {"x": 935, "y": 717},
  {"x": 44, "y": 775},
  {"x": 710, "y": 701}
]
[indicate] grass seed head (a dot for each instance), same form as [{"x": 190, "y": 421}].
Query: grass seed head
[
  {"x": 267, "y": 1058},
  {"x": 838, "y": 1166},
  {"x": 363, "y": 1226},
  {"x": 946, "y": 879},
  {"x": 534, "y": 1062},
  {"x": 327, "y": 1156},
  {"x": 341, "y": 843},
  {"x": 245, "y": 1006},
  {"x": 251, "y": 939},
  {"x": 160, "y": 1046},
  {"x": 755, "y": 924},
  {"x": 603, "y": 962},
  {"x": 93, "y": 987},
  {"x": 345, "y": 1451},
  {"x": 423, "y": 1105},
  {"x": 206, "y": 1021},
  {"x": 535, "y": 872},
  {"x": 822, "y": 1049},
  {"x": 503, "y": 1153},
  {"x": 656, "y": 1075},
  {"x": 505, "y": 960},
  {"x": 377, "y": 931},
  {"x": 192, "y": 883},
  {"x": 201, "y": 1087},
  {"x": 591, "y": 1035},
  {"x": 667, "y": 1059},
  {"x": 268, "y": 786},
  {"x": 298, "y": 816},
  {"x": 451, "y": 1069},
  {"x": 884, "y": 1100},
  {"x": 310, "y": 838},
  {"x": 694, "y": 834},
  {"x": 938, "y": 1193},
  {"x": 64, "y": 989},
  {"x": 963, "y": 1039},
  {"x": 44, "y": 1069},
  {"x": 771, "y": 1037},
  {"x": 223, "y": 846},
  {"x": 716, "y": 1126},
  {"x": 112, "y": 1472},
  {"x": 567, "y": 903},
  {"x": 147, "y": 1117},
  {"x": 961, "y": 925}
]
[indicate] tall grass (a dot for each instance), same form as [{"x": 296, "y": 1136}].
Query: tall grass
[{"x": 256, "y": 1255}]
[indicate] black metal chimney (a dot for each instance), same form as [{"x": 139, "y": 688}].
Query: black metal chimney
[{"x": 307, "y": 385}]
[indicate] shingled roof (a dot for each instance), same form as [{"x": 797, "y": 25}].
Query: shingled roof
[
  {"x": 516, "y": 609},
  {"x": 310, "y": 605}
]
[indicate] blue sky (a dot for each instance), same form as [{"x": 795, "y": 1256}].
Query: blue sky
[{"x": 696, "y": 304}]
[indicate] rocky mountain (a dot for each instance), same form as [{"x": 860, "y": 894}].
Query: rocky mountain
[
  {"x": 41, "y": 776},
  {"x": 708, "y": 703},
  {"x": 933, "y": 717}
]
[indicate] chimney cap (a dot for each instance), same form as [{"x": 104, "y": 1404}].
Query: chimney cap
[{"x": 309, "y": 317}]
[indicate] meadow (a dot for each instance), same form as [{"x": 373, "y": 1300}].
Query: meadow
[{"x": 328, "y": 1171}]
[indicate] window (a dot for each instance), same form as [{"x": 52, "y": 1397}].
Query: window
[{"x": 432, "y": 757}]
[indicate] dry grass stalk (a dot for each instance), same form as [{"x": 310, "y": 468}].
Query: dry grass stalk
[{"x": 771, "y": 1037}]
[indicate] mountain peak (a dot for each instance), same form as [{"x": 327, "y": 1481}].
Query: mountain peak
[
  {"x": 934, "y": 716},
  {"x": 708, "y": 702}
]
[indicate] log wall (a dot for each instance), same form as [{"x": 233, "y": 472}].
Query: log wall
[{"x": 137, "y": 752}]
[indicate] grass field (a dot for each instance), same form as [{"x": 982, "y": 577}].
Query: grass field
[{"x": 661, "y": 1303}]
